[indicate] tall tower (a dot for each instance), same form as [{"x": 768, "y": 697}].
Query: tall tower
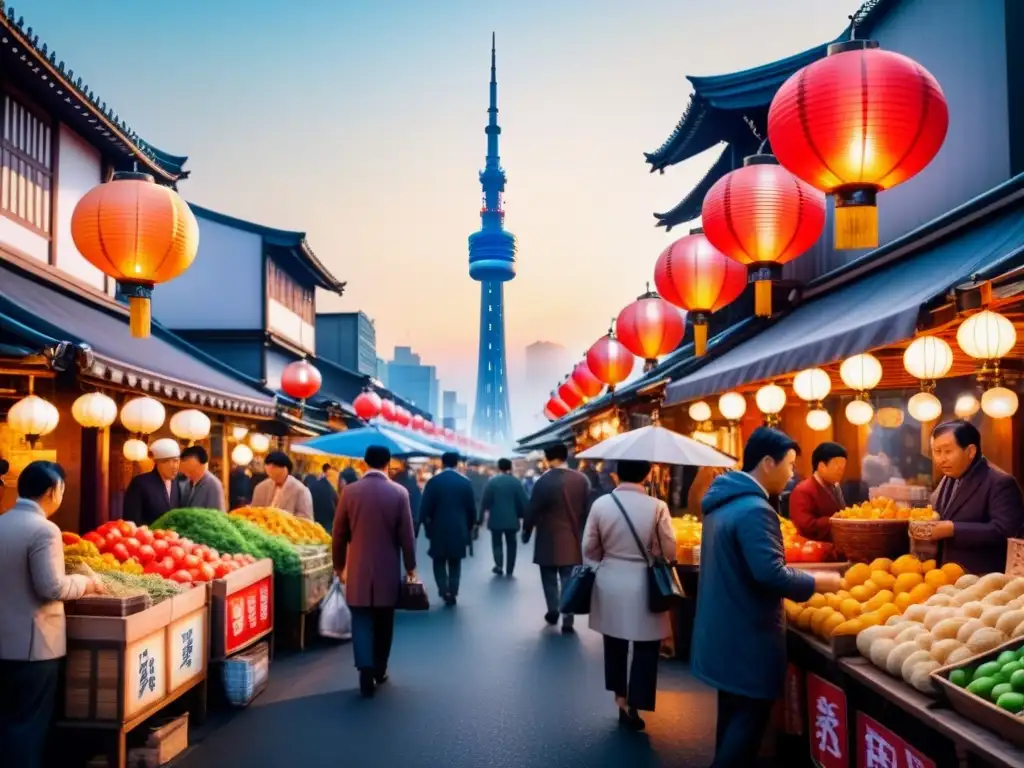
[{"x": 492, "y": 262}]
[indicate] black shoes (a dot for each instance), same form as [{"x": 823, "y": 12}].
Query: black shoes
[
  {"x": 551, "y": 618},
  {"x": 497, "y": 571},
  {"x": 630, "y": 718},
  {"x": 450, "y": 599},
  {"x": 380, "y": 677},
  {"x": 367, "y": 683},
  {"x": 567, "y": 629}
]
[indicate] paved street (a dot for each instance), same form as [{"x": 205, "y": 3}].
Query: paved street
[{"x": 485, "y": 684}]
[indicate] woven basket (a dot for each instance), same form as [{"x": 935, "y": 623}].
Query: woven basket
[{"x": 861, "y": 541}]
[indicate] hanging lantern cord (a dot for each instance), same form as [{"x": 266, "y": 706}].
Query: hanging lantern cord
[
  {"x": 853, "y": 26},
  {"x": 760, "y": 149}
]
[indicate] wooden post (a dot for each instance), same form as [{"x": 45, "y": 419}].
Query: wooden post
[
  {"x": 219, "y": 447},
  {"x": 95, "y": 478}
]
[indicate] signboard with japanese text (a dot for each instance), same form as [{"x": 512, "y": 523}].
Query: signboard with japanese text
[
  {"x": 249, "y": 615},
  {"x": 878, "y": 747},
  {"x": 145, "y": 673},
  {"x": 793, "y": 702},
  {"x": 186, "y": 653},
  {"x": 826, "y": 723}
]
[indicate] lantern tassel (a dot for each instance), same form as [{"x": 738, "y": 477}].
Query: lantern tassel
[
  {"x": 856, "y": 227},
  {"x": 700, "y": 340},
  {"x": 140, "y": 316},
  {"x": 763, "y": 298}
]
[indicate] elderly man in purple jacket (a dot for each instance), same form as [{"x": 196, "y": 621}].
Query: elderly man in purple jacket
[{"x": 979, "y": 505}]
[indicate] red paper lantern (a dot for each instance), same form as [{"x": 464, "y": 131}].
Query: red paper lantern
[
  {"x": 367, "y": 405},
  {"x": 555, "y": 409},
  {"x": 300, "y": 380},
  {"x": 428, "y": 427},
  {"x": 449, "y": 435},
  {"x": 402, "y": 417},
  {"x": 649, "y": 328},
  {"x": 762, "y": 216},
  {"x": 854, "y": 124},
  {"x": 570, "y": 394},
  {"x": 586, "y": 381},
  {"x": 610, "y": 361},
  {"x": 417, "y": 423},
  {"x": 694, "y": 275},
  {"x": 388, "y": 409}
]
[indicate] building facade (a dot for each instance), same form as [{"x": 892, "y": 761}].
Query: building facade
[
  {"x": 414, "y": 381},
  {"x": 453, "y": 411},
  {"x": 348, "y": 339}
]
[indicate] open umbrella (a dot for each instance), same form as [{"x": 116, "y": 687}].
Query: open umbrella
[
  {"x": 659, "y": 446},
  {"x": 352, "y": 443}
]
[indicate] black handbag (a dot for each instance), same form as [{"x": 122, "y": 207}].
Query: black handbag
[
  {"x": 577, "y": 591},
  {"x": 664, "y": 589},
  {"x": 412, "y": 596}
]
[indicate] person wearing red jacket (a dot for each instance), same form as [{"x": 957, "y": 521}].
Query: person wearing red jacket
[{"x": 814, "y": 500}]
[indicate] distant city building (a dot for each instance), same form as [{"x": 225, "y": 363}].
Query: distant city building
[
  {"x": 348, "y": 339},
  {"x": 454, "y": 412},
  {"x": 408, "y": 377},
  {"x": 382, "y": 371},
  {"x": 547, "y": 364}
]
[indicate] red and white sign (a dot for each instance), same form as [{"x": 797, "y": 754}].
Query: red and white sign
[
  {"x": 878, "y": 747},
  {"x": 826, "y": 722},
  {"x": 793, "y": 702},
  {"x": 249, "y": 614}
]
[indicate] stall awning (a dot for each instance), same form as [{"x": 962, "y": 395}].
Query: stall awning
[
  {"x": 162, "y": 364},
  {"x": 877, "y": 300}
]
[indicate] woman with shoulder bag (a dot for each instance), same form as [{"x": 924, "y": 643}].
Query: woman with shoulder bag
[{"x": 620, "y": 608}]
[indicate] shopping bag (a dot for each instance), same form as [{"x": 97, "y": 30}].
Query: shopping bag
[
  {"x": 413, "y": 596},
  {"x": 577, "y": 591},
  {"x": 335, "y": 617}
]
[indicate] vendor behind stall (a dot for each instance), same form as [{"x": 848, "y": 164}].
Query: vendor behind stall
[
  {"x": 814, "y": 500},
  {"x": 979, "y": 505}
]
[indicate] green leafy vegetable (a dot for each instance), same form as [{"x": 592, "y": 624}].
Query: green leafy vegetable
[
  {"x": 206, "y": 526},
  {"x": 263, "y": 544}
]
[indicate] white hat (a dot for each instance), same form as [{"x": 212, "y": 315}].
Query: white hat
[{"x": 165, "y": 448}]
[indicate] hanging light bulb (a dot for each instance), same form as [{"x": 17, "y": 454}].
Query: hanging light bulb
[
  {"x": 241, "y": 455},
  {"x": 700, "y": 412},
  {"x": 812, "y": 385},
  {"x": 986, "y": 335},
  {"x": 999, "y": 403},
  {"x": 928, "y": 358},
  {"x": 135, "y": 450},
  {"x": 966, "y": 406},
  {"x": 819, "y": 419},
  {"x": 924, "y": 407},
  {"x": 859, "y": 412},
  {"x": 861, "y": 373},
  {"x": 732, "y": 405}
]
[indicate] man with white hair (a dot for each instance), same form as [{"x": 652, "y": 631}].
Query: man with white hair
[{"x": 151, "y": 494}]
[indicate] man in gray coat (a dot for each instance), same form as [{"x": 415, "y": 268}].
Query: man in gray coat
[
  {"x": 504, "y": 503},
  {"x": 32, "y": 633},
  {"x": 201, "y": 488},
  {"x": 558, "y": 511}
]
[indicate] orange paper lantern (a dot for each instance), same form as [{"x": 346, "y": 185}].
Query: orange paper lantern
[
  {"x": 555, "y": 409},
  {"x": 649, "y": 328},
  {"x": 570, "y": 394},
  {"x": 140, "y": 234},
  {"x": 610, "y": 361},
  {"x": 585, "y": 379}
]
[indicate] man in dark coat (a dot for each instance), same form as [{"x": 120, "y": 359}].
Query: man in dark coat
[
  {"x": 739, "y": 641},
  {"x": 504, "y": 503},
  {"x": 151, "y": 494},
  {"x": 325, "y": 498},
  {"x": 979, "y": 505},
  {"x": 448, "y": 512},
  {"x": 558, "y": 511},
  {"x": 407, "y": 480}
]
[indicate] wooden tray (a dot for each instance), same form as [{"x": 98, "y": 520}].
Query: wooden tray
[
  {"x": 975, "y": 708},
  {"x": 834, "y": 648},
  {"x": 108, "y": 605}
]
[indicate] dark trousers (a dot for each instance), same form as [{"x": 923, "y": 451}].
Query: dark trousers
[
  {"x": 740, "y": 729},
  {"x": 553, "y": 579},
  {"x": 372, "y": 632},
  {"x": 642, "y": 682},
  {"x": 509, "y": 538},
  {"x": 28, "y": 691},
  {"x": 447, "y": 573}
]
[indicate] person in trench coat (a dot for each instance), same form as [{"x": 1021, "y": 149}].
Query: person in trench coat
[
  {"x": 448, "y": 513},
  {"x": 618, "y": 606}
]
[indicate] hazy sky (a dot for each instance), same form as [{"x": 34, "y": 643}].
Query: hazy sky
[{"x": 361, "y": 123}]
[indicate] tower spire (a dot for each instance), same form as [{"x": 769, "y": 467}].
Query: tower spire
[{"x": 493, "y": 129}]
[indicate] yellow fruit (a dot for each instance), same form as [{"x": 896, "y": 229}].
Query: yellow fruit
[
  {"x": 903, "y": 601},
  {"x": 793, "y": 610},
  {"x": 879, "y": 599},
  {"x": 820, "y": 615},
  {"x": 886, "y": 612},
  {"x": 857, "y": 575},
  {"x": 906, "y": 564},
  {"x": 906, "y": 582},
  {"x": 833, "y": 622},
  {"x": 870, "y": 619},
  {"x": 953, "y": 572},
  {"x": 880, "y": 564},
  {"x": 921, "y": 592},
  {"x": 883, "y": 579},
  {"x": 842, "y": 594},
  {"x": 861, "y": 594},
  {"x": 851, "y": 627},
  {"x": 936, "y": 578},
  {"x": 803, "y": 621},
  {"x": 928, "y": 565},
  {"x": 850, "y": 608},
  {"x": 870, "y": 586},
  {"x": 817, "y": 601},
  {"x": 834, "y": 601}
]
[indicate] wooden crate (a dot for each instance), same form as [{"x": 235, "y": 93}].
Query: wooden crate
[{"x": 163, "y": 744}]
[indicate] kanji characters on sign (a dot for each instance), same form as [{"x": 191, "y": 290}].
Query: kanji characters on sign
[
  {"x": 826, "y": 717},
  {"x": 878, "y": 747}
]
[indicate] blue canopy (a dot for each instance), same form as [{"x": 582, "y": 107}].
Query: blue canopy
[{"x": 352, "y": 443}]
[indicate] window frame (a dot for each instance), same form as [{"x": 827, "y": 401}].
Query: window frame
[{"x": 40, "y": 170}]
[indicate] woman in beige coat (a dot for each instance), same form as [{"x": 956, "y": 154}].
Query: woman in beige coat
[{"x": 618, "y": 608}]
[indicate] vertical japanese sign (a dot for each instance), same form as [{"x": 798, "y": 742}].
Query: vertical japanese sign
[
  {"x": 793, "y": 702},
  {"x": 878, "y": 747},
  {"x": 826, "y": 723},
  {"x": 145, "y": 673},
  {"x": 249, "y": 615},
  {"x": 186, "y": 655}
]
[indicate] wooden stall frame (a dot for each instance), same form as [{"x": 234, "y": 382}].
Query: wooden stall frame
[{"x": 221, "y": 589}]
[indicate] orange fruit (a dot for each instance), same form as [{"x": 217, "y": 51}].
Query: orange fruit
[
  {"x": 953, "y": 572},
  {"x": 886, "y": 612},
  {"x": 903, "y": 601},
  {"x": 818, "y": 619},
  {"x": 928, "y": 565},
  {"x": 883, "y": 579},
  {"x": 871, "y": 619},
  {"x": 817, "y": 600},
  {"x": 936, "y": 578},
  {"x": 878, "y": 600},
  {"x": 803, "y": 621},
  {"x": 857, "y": 575},
  {"x": 906, "y": 582},
  {"x": 831, "y": 624},
  {"x": 849, "y": 627},
  {"x": 861, "y": 594},
  {"x": 880, "y": 564},
  {"x": 850, "y": 608},
  {"x": 922, "y": 592},
  {"x": 906, "y": 564}
]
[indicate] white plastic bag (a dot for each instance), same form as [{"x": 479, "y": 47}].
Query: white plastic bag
[{"x": 335, "y": 617}]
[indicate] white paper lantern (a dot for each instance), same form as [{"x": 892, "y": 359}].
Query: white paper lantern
[
  {"x": 732, "y": 405},
  {"x": 143, "y": 415},
  {"x": 94, "y": 410},
  {"x": 986, "y": 336},
  {"x": 966, "y": 406},
  {"x": 819, "y": 419},
  {"x": 999, "y": 403},
  {"x": 890, "y": 418},
  {"x": 33, "y": 417},
  {"x": 859, "y": 412},
  {"x": 238, "y": 433},
  {"x": 135, "y": 450},
  {"x": 190, "y": 425},
  {"x": 241, "y": 455},
  {"x": 259, "y": 443},
  {"x": 770, "y": 399},
  {"x": 700, "y": 412},
  {"x": 928, "y": 358},
  {"x": 812, "y": 385},
  {"x": 925, "y": 407},
  {"x": 861, "y": 373}
]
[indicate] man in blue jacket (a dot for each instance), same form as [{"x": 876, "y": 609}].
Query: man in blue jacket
[
  {"x": 739, "y": 643},
  {"x": 448, "y": 514}
]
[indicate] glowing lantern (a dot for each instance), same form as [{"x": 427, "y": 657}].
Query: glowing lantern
[
  {"x": 586, "y": 381},
  {"x": 649, "y": 328},
  {"x": 143, "y": 415},
  {"x": 241, "y": 455},
  {"x": 367, "y": 405},
  {"x": 861, "y": 373},
  {"x": 449, "y": 434},
  {"x": 555, "y": 409},
  {"x": 889, "y": 418},
  {"x": 732, "y": 405},
  {"x": 570, "y": 394},
  {"x": 428, "y": 427},
  {"x": 770, "y": 399},
  {"x": 190, "y": 425},
  {"x": 925, "y": 407},
  {"x": 32, "y": 417},
  {"x": 693, "y": 275},
  {"x": 854, "y": 124},
  {"x": 140, "y": 234},
  {"x": 812, "y": 385},
  {"x": 402, "y": 417},
  {"x": 986, "y": 336},
  {"x": 700, "y": 412},
  {"x": 999, "y": 403},
  {"x": 388, "y": 409},
  {"x": 762, "y": 216},
  {"x": 238, "y": 433},
  {"x": 966, "y": 406},
  {"x": 259, "y": 443},
  {"x": 819, "y": 419},
  {"x": 928, "y": 358},
  {"x": 135, "y": 450},
  {"x": 301, "y": 380},
  {"x": 94, "y": 410},
  {"x": 610, "y": 361},
  {"x": 417, "y": 423},
  {"x": 859, "y": 412}
]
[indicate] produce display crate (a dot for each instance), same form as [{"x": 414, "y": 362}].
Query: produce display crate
[
  {"x": 165, "y": 742},
  {"x": 834, "y": 648},
  {"x": 975, "y": 708},
  {"x": 243, "y": 608},
  {"x": 302, "y": 592},
  {"x": 865, "y": 540},
  {"x": 105, "y": 605}
]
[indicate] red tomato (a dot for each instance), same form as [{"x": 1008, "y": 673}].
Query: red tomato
[
  {"x": 187, "y": 544},
  {"x": 211, "y": 556},
  {"x": 96, "y": 539},
  {"x": 206, "y": 572},
  {"x": 69, "y": 539},
  {"x": 812, "y": 552},
  {"x": 104, "y": 529},
  {"x": 190, "y": 562},
  {"x": 168, "y": 564},
  {"x": 145, "y": 554},
  {"x": 160, "y": 546},
  {"x": 794, "y": 554},
  {"x": 221, "y": 569},
  {"x": 176, "y": 553},
  {"x": 227, "y": 556},
  {"x": 169, "y": 535},
  {"x": 153, "y": 567},
  {"x": 131, "y": 544},
  {"x": 144, "y": 535},
  {"x": 182, "y": 577},
  {"x": 120, "y": 551},
  {"x": 113, "y": 536},
  {"x": 126, "y": 527},
  {"x": 239, "y": 558}
]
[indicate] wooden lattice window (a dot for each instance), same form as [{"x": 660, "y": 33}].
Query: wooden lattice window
[
  {"x": 26, "y": 167},
  {"x": 285, "y": 290}
]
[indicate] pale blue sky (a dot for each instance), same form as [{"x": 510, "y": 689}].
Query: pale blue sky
[{"x": 361, "y": 123}]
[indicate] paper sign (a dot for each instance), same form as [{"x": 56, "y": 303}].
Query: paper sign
[
  {"x": 186, "y": 655},
  {"x": 826, "y": 722},
  {"x": 878, "y": 747},
  {"x": 145, "y": 673},
  {"x": 249, "y": 615}
]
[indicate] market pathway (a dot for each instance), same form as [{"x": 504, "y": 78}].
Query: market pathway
[{"x": 484, "y": 684}]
